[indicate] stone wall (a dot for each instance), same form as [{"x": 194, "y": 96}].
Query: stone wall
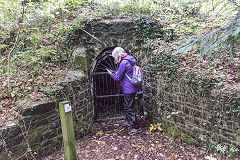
[
  {"x": 197, "y": 109},
  {"x": 38, "y": 131}
]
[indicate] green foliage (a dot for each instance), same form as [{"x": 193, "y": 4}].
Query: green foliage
[
  {"x": 221, "y": 148},
  {"x": 175, "y": 132},
  {"x": 202, "y": 137},
  {"x": 228, "y": 150},
  {"x": 167, "y": 64},
  {"x": 237, "y": 111},
  {"x": 134, "y": 7},
  {"x": 214, "y": 42},
  {"x": 72, "y": 34},
  {"x": 9, "y": 11},
  {"x": 73, "y": 3},
  {"x": 146, "y": 26},
  {"x": 233, "y": 150}
]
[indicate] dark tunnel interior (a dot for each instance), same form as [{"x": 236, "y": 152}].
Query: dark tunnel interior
[{"x": 108, "y": 96}]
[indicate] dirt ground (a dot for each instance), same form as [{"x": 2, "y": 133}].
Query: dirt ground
[{"x": 109, "y": 141}]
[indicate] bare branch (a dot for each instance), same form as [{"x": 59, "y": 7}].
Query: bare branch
[
  {"x": 234, "y": 2},
  {"x": 93, "y": 37}
]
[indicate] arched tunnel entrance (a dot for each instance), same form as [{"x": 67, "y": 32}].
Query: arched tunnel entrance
[{"x": 107, "y": 93}]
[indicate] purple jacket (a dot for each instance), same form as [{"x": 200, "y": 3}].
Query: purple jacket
[{"x": 125, "y": 67}]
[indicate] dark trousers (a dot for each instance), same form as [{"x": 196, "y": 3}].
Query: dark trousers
[{"x": 129, "y": 102}]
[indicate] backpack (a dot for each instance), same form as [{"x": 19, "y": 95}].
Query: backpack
[{"x": 137, "y": 77}]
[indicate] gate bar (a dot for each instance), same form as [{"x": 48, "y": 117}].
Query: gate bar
[
  {"x": 110, "y": 119},
  {"x": 106, "y": 96}
]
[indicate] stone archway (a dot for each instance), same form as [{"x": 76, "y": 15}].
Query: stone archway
[{"x": 100, "y": 35}]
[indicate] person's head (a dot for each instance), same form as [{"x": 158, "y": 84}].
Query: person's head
[{"x": 117, "y": 53}]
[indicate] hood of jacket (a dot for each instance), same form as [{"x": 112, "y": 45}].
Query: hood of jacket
[{"x": 130, "y": 58}]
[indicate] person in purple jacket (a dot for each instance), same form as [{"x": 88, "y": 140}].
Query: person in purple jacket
[{"x": 126, "y": 63}]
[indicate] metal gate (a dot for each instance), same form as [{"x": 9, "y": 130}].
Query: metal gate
[{"x": 107, "y": 93}]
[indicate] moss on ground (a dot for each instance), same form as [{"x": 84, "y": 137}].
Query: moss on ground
[{"x": 175, "y": 132}]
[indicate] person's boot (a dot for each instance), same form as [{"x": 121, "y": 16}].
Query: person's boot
[
  {"x": 126, "y": 124},
  {"x": 134, "y": 131}
]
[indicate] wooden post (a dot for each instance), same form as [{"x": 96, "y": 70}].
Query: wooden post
[{"x": 65, "y": 111}]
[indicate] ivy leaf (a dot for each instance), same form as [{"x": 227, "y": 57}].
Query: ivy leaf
[
  {"x": 29, "y": 150},
  {"x": 237, "y": 111}
]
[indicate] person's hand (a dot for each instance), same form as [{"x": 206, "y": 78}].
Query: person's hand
[{"x": 109, "y": 72}]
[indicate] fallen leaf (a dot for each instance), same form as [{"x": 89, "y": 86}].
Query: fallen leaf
[
  {"x": 189, "y": 153},
  {"x": 103, "y": 143},
  {"x": 138, "y": 147},
  {"x": 184, "y": 63},
  {"x": 160, "y": 129},
  {"x": 210, "y": 157},
  {"x": 136, "y": 156},
  {"x": 99, "y": 133},
  {"x": 115, "y": 148},
  {"x": 172, "y": 157},
  {"x": 122, "y": 156},
  {"x": 12, "y": 95}
]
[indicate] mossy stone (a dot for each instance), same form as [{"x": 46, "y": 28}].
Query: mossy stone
[
  {"x": 185, "y": 138},
  {"x": 23, "y": 146},
  {"x": 174, "y": 131},
  {"x": 80, "y": 62},
  {"x": 80, "y": 59}
]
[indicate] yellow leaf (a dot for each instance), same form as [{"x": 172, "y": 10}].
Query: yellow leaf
[
  {"x": 151, "y": 127},
  {"x": 99, "y": 133},
  {"x": 12, "y": 95}
]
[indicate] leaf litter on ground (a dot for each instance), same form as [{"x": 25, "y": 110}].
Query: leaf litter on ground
[{"x": 144, "y": 146}]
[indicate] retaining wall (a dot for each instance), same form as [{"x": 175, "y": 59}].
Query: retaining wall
[
  {"x": 38, "y": 130},
  {"x": 197, "y": 108}
]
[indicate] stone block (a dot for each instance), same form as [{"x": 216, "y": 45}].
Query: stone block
[
  {"x": 10, "y": 131},
  {"x": 73, "y": 78},
  {"x": 80, "y": 60},
  {"x": 15, "y": 140},
  {"x": 17, "y": 150},
  {"x": 48, "y": 146},
  {"x": 38, "y": 107}
]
